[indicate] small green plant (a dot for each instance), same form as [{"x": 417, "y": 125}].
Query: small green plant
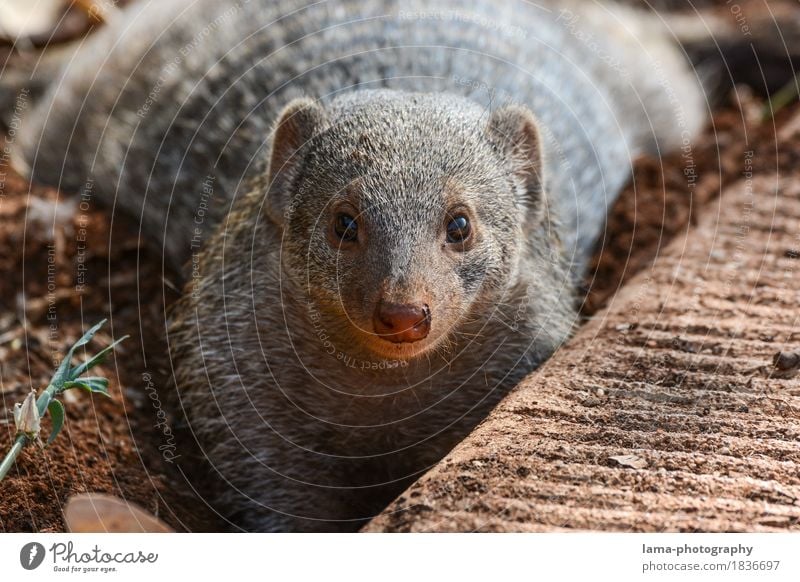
[
  {"x": 28, "y": 414},
  {"x": 786, "y": 95}
]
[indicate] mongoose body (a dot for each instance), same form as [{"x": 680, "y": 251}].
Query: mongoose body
[{"x": 384, "y": 208}]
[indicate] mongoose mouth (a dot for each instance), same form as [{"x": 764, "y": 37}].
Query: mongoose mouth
[{"x": 401, "y": 351}]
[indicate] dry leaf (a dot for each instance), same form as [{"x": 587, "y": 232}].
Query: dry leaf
[
  {"x": 99, "y": 513},
  {"x": 629, "y": 461}
]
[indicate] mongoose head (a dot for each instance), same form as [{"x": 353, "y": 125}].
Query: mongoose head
[{"x": 403, "y": 215}]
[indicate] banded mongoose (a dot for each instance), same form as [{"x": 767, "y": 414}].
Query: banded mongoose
[{"x": 382, "y": 210}]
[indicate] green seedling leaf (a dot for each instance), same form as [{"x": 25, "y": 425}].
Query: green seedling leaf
[
  {"x": 98, "y": 358},
  {"x": 56, "y": 410},
  {"x": 87, "y": 337},
  {"x": 94, "y": 384},
  {"x": 64, "y": 370},
  {"x": 785, "y": 96}
]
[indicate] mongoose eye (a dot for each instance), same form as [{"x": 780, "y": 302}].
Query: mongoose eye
[
  {"x": 346, "y": 227},
  {"x": 458, "y": 229}
]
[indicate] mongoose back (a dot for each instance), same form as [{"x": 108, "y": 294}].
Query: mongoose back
[{"x": 382, "y": 208}]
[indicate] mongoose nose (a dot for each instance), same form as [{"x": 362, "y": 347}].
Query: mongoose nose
[{"x": 402, "y": 323}]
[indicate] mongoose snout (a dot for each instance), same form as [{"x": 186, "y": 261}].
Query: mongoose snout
[{"x": 402, "y": 322}]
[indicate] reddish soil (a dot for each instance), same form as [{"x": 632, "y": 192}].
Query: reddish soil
[{"x": 55, "y": 286}]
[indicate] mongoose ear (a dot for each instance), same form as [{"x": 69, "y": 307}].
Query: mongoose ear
[
  {"x": 515, "y": 131},
  {"x": 299, "y": 121}
]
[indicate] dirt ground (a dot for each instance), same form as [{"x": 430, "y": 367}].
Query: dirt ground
[{"x": 67, "y": 264}]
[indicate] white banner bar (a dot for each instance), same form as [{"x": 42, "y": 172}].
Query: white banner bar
[{"x": 400, "y": 557}]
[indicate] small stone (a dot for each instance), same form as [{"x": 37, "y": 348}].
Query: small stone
[
  {"x": 786, "y": 364},
  {"x": 629, "y": 461},
  {"x": 591, "y": 402}
]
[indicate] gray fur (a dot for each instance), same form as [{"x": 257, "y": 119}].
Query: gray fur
[{"x": 414, "y": 113}]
